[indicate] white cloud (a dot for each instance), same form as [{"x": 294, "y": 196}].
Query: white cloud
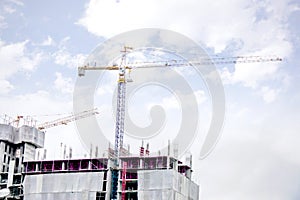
[
  {"x": 256, "y": 155},
  {"x": 252, "y": 74},
  {"x": 249, "y": 75},
  {"x": 48, "y": 42},
  {"x": 63, "y": 42},
  {"x": 38, "y": 103},
  {"x": 3, "y": 23},
  {"x": 200, "y": 95},
  {"x": 198, "y": 19},
  {"x": 14, "y": 58},
  {"x": 64, "y": 58},
  {"x": 260, "y": 27},
  {"x": 9, "y": 9},
  {"x": 104, "y": 90},
  {"x": 17, "y": 2},
  {"x": 256, "y": 76},
  {"x": 63, "y": 84},
  {"x": 5, "y": 86},
  {"x": 169, "y": 102},
  {"x": 269, "y": 94}
]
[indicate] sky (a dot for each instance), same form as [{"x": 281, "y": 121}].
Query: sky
[{"x": 258, "y": 155}]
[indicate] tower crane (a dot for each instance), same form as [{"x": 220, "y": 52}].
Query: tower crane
[
  {"x": 28, "y": 120},
  {"x": 66, "y": 120},
  {"x": 123, "y": 68}
]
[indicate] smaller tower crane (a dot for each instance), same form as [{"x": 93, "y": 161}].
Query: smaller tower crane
[
  {"x": 29, "y": 121},
  {"x": 66, "y": 120}
]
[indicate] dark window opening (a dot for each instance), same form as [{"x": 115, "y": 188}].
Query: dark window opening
[
  {"x": 17, "y": 180},
  {"x": 47, "y": 166},
  {"x": 100, "y": 196},
  {"x": 131, "y": 185},
  {"x": 58, "y": 165},
  {"x": 4, "y": 178},
  {"x": 17, "y": 162},
  {"x": 131, "y": 175},
  {"x": 15, "y": 191},
  {"x": 104, "y": 186},
  {"x": 74, "y": 165},
  {"x": 30, "y": 167},
  {"x": 84, "y": 164},
  {"x": 131, "y": 196}
]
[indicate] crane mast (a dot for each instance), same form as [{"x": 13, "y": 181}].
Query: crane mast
[
  {"x": 121, "y": 96},
  {"x": 120, "y": 117}
]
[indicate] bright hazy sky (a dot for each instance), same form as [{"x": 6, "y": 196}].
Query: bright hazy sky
[{"x": 258, "y": 155}]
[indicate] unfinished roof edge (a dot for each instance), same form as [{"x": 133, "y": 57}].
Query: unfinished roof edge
[{"x": 22, "y": 134}]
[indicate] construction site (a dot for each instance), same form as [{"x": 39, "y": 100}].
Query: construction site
[
  {"x": 27, "y": 174},
  {"x": 138, "y": 177}
]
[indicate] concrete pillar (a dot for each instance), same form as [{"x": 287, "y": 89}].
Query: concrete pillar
[{"x": 11, "y": 172}]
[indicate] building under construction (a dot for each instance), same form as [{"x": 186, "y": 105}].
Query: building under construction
[
  {"x": 139, "y": 177},
  {"x": 17, "y": 145}
]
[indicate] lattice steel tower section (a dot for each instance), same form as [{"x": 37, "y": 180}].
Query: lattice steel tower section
[
  {"x": 120, "y": 114},
  {"x": 120, "y": 117}
]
